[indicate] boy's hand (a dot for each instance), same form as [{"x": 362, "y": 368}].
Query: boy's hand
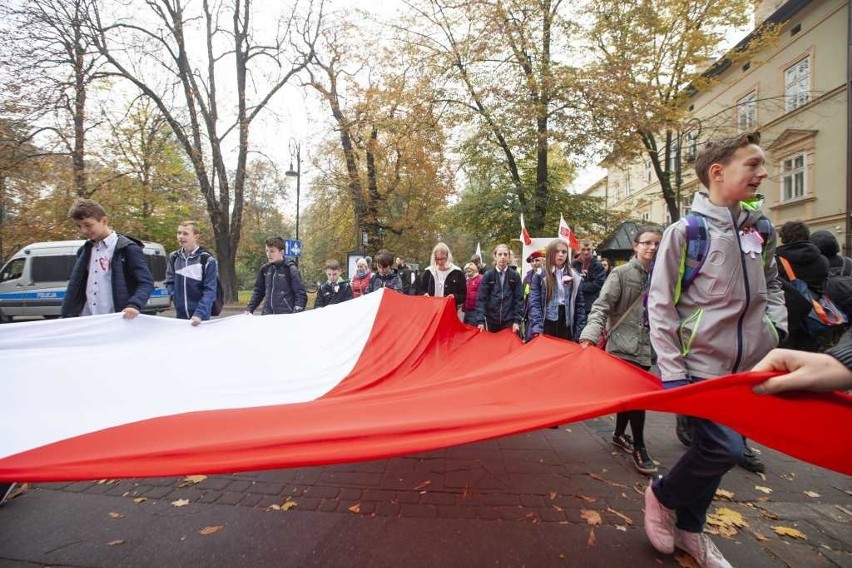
[
  {"x": 195, "y": 321},
  {"x": 516, "y": 327},
  {"x": 584, "y": 344},
  {"x": 805, "y": 371},
  {"x": 130, "y": 312}
]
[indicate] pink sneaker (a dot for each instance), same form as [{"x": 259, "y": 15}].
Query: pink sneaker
[
  {"x": 659, "y": 523},
  {"x": 701, "y": 548}
]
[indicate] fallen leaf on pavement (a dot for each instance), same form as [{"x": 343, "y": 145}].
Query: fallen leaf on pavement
[
  {"x": 192, "y": 480},
  {"x": 288, "y": 504},
  {"x": 587, "y": 499},
  {"x": 210, "y": 530},
  {"x": 608, "y": 482},
  {"x": 620, "y": 515},
  {"x": 724, "y": 494},
  {"x": 622, "y": 528},
  {"x": 115, "y": 515},
  {"x": 422, "y": 485},
  {"x": 181, "y": 503},
  {"x": 726, "y": 521},
  {"x": 356, "y": 508},
  {"x": 684, "y": 560},
  {"x": 592, "y": 517},
  {"x": 766, "y": 490},
  {"x": 592, "y": 541},
  {"x": 768, "y": 514},
  {"x": 813, "y": 494},
  {"x": 139, "y": 499},
  {"x": 115, "y": 542},
  {"x": 760, "y": 537},
  {"x": 761, "y": 475},
  {"x": 552, "y": 495},
  {"x": 792, "y": 533}
]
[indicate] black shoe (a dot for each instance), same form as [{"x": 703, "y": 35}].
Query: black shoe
[
  {"x": 642, "y": 461},
  {"x": 751, "y": 462},
  {"x": 683, "y": 429},
  {"x": 624, "y": 442}
]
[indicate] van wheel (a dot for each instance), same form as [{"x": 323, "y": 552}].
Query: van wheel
[
  {"x": 4, "y": 318},
  {"x": 50, "y": 317}
]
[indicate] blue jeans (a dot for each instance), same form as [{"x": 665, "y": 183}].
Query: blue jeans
[{"x": 689, "y": 486}]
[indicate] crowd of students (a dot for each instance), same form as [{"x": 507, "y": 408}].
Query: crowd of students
[{"x": 694, "y": 320}]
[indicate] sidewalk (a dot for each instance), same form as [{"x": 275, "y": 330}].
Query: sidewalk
[{"x": 525, "y": 500}]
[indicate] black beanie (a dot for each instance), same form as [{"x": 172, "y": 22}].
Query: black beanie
[{"x": 826, "y": 243}]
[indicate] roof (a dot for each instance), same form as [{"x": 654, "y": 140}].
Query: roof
[{"x": 621, "y": 238}]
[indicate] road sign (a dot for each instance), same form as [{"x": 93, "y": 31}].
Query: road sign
[{"x": 293, "y": 248}]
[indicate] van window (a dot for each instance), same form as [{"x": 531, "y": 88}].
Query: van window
[
  {"x": 53, "y": 268},
  {"x": 13, "y": 270},
  {"x": 157, "y": 266}
]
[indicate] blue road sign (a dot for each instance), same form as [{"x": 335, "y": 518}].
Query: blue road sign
[{"x": 292, "y": 248}]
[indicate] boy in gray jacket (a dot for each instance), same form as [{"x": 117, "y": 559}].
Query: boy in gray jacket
[{"x": 724, "y": 322}]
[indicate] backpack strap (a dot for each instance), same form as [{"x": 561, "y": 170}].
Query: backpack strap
[
  {"x": 694, "y": 254},
  {"x": 788, "y": 268}
]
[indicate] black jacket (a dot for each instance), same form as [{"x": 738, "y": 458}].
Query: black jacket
[
  {"x": 498, "y": 306},
  {"x": 593, "y": 280},
  {"x": 327, "y": 296},
  {"x": 807, "y": 262},
  {"x": 132, "y": 282},
  {"x": 455, "y": 285},
  {"x": 281, "y": 285}
]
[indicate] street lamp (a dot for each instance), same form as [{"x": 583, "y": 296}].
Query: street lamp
[{"x": 296, "y": 152}]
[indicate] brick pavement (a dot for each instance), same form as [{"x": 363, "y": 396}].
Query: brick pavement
[{"x": 548, "y": 478}]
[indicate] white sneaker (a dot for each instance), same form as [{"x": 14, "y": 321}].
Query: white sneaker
[
  {"x": 659, "y": 523},
  {"x": 6, "y": 490},
  {"x": 701, "y": 548}
]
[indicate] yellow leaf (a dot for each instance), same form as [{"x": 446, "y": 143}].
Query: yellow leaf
[
  {"x": 552, "y": 495},
  {"x": 423, "y": 485},
  {"x": 115, "y": 542},
  {"x": 356, "y": 508},
  {"x": 766, "y": 490},
  {"x": 684, "y": 560},
  {"x": 587, "y": 499},
  {"x": 274, "y": 507},
  {"x": 592, "y": 541},
  {"x": 139, "y": 499},
  {"x": 181, "y": 503},
  {"x": 813, "y": 494},
  {"x": 287, "y": 505},
  {"x": 787, "y": 531},
  {"x": 733, "y": 517},
  {"x": 210, "y": 530},
  {"x": 723, "y": 494},
  {"x": 591, "y": 517},
  {"x": 192, "y": 480},
  {"x": 115, "y": 515}
]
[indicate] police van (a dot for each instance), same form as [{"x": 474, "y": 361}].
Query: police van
[{"x": 34, "y": 280}]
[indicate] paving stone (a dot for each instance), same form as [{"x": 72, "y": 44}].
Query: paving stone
[
  {"x": 531, "y": 500},
  {"x": 265, "y": 488},
  {"x": 161, "y": 492},
  {"x": 210, "y": 497},
  {"x": 418, "y": 510},
  {"x": 349, "y": 494},
  {"x": 322, "y": 492},
  {"x": 551, "y": 515},
  {"x": 216, "y": 482},
  {"x": 328, "y": 505},
  {"x": 488, "y": 513},
  {"x": 795, "y": 554},
  {"x": 498, "y": 499},
  {"x": 252, "y": 499},
  {"x": 434, "y": 498},
  {"x": 239, "y": 485},
  {"x": 230, "y": 498},
  {"x": 388, "y": 509},
  {"x": 385, "y": 495},
  {"x": 452, "y": 512}
]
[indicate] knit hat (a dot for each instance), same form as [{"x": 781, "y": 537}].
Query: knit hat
[{"x": 825, "y": 242}]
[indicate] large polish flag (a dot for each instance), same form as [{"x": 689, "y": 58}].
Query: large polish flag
[{"x": 383, "y": 375}]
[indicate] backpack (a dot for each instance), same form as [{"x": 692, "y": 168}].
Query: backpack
[
  {"x": 694, "y": 254},
  {"x": 219, "y": 301},
  {"x": 824, "y": 316},
  {"x": 838, "y": 287}
]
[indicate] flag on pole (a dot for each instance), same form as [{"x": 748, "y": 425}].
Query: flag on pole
[
  {"x": 525, "y": 236},
  {"x": 567, "y": 234},
  {"x": 479, "y": 251}
]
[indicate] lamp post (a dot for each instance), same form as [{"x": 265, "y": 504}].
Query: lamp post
[
  {"x": 692, "y": 125},
  {"x": 295, "y": 152}
]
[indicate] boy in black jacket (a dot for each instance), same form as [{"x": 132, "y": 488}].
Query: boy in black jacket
[
  {"x": 335, "y": 290},
  {"x": 279, "y": 282}
]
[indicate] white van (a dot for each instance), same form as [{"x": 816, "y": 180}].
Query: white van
[{"x": 34, "y": 280}]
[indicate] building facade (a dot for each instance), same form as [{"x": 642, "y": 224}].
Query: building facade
[{"x": 795, "y": 93}]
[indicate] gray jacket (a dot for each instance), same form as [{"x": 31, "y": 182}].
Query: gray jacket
[
  {"x": 729, "y": 318},
  {"x": 622, "y": 291}
]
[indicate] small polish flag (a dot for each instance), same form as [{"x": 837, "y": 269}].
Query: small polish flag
[
  {"x": 479, "y": 251},
  {"x": 525, "y": 236},
  {"x": 567, "y": 234}
]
